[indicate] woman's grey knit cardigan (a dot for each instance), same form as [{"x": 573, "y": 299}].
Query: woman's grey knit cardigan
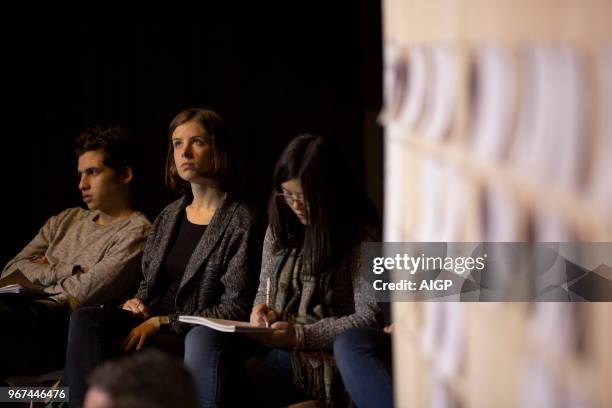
[{"x": 220, "y": 278}]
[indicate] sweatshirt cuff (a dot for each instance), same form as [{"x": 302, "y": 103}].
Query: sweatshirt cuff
[{"x": 64, "y": 270}]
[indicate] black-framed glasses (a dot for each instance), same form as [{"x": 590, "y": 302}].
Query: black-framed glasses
[{"x": 291, "y": 198}]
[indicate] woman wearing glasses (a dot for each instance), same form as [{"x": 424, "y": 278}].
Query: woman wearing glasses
[{"x": 310, "y": 286}]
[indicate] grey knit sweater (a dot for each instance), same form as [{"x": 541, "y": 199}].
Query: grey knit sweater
[
  {"x": 72, "y": 241},
  {"x": 354, "y": 302},
  {"x": 221, "y": 276}
]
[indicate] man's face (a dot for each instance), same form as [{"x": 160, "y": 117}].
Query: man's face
[{"x": 100, "y": 185}]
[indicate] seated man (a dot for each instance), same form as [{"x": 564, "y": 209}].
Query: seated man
[{"x": 79, "y": 256}]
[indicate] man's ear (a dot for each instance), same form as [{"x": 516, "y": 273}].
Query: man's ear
[{"x": 126, "y": 175}]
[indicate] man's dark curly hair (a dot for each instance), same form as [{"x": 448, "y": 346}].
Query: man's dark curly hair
[{"x": 115, "y": 143}]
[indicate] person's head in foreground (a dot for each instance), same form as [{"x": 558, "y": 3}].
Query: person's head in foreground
[{"x": 148, "y": 379}]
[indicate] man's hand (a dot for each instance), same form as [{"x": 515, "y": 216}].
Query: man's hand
[{"x": 41, "y": 260}]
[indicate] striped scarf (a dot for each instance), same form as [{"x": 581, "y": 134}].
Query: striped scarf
[{"x": 305, "y": 298}]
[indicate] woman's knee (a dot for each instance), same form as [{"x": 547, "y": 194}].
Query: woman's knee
[
  {"x": 350, "y": 343},
  {"x": 201, "y": 337},
  {"x": 346, "y": 339}
]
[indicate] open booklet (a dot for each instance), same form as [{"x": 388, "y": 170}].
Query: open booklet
[
  {"x": 228, "y": 326},
  {"x": 17, "y": 284}
]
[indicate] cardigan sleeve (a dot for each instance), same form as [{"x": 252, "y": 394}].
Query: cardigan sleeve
[
  {"x": 268, "y": 262},
  {"x": 320, "y": 335}
]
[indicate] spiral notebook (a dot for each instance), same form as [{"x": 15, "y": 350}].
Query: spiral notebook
[{"x": 228, "y": 326}]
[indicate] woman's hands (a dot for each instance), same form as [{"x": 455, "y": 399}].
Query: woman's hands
[
  {"x": 283, "y": 335},
  {"x": 140, "y": 333},
  {"x": 137, "y": 308},
  {"x": 262, "y": 315},
  {"x": 146, "y": 329}
]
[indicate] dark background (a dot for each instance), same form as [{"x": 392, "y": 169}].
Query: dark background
[{"x": 271, "y": 71}]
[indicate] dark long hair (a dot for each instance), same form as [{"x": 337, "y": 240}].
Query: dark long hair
[
  {"x": 339, "y": 214},
  {"x": 116, "y": 145}
]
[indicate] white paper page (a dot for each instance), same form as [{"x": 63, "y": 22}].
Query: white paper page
[
  {"x": 395, "y": 187},
  {"x": 495, "y": 103},
  {"x": 433, "y": 196},
  {"x": 539, "y": 389},
  {"x": 451, "y": 354},
  {"x": 559, "y": 138},
  {"x": 433, "y": 326},
  {"x": 414, "y": 101},
  {"x": 394, "y": 81},
  {"x": 441, "y": 93},
  {"x": 503, "y": 215},
  {"x": 528, "y": 115},
  {"x": 601, "y": 187},
  {"x": 454, "y": 204}
]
